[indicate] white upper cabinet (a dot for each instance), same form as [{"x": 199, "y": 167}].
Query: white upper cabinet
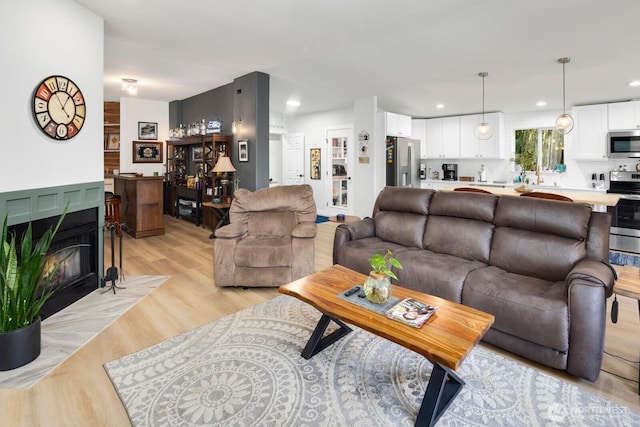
[
  {"x": 398, "y": 125},
  {"x": 624, "y": 115},
  {"x": 443, "y": 138},
  {"x": 588, "y": 140},
  {"x": 474, "y": 148},
  {"x": 419, "y": 131}
]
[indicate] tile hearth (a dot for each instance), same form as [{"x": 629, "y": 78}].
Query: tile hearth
[{"x": 66, "y": 331}]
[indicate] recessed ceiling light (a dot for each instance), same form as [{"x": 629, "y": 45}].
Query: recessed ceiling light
[
  {"x": 440, "y": 106},
  {"x": 293, "y": 103},
  {"x": 541, "y": 103},
  {"x": 635, "y": 83}
]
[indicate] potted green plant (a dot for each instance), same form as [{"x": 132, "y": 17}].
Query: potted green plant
[
  {"x": 24, "y": 288},
  {"x": 377, "y": 286}
]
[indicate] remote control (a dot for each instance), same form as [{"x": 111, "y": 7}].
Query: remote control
[{"x": 352, "y": 291}]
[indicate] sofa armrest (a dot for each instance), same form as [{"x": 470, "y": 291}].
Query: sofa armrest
[
  {"x": 589, "y": 284},
  {"x": 594, "y": 273},
  {"x": 352, "y": 231},
  {"x": 305, "y": 230},
  {"x": 232, "y": 231}
]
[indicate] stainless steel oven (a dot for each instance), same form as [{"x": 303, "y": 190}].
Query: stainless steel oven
[{"x": 625, "y": 215}]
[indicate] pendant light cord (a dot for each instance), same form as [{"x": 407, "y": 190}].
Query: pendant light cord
[{"x": 564, "y": 97}]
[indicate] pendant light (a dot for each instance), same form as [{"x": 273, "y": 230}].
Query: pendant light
[
  {"x": 564, "y": 122},
  {"x": 483, "y": 130}
]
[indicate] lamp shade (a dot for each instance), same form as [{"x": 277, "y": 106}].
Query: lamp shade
[{"x": 223, "y": 165}]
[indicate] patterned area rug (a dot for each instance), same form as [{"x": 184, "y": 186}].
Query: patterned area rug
[{"x": 246, "y": 370}]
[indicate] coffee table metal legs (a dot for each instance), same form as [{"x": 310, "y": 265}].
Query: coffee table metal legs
[
  {"x": 443, "y": 387},
  {"x": 317, "y": 343}
]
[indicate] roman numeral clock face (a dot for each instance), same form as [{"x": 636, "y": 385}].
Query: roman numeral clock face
[{"x": 58, "y": 107}]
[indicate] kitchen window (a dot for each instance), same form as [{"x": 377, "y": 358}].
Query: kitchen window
[{"x": 541, "y": 146}]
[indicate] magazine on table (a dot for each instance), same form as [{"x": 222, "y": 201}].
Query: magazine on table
[{"x": 412, "y": 312}]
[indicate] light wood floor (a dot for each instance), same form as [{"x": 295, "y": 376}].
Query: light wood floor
[{"x": 79, "y": 393}]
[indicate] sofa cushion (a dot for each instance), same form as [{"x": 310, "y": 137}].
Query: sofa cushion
[
  {"x": 539, "y": 238},
  {"x": 529, "y": 308},
  {"x": 461, "y": 224},
  {"x": 262, "y": 251},
  {"x": 403, "y": 199},
  {"x": 355, "y": 254},
  {"x": 433, "y": 273},
  {"x": 544, "y": 256},
  {"x": 465, "y": 238},
  {"x": 481, "y": 207},
  {"x": 278, "y": 223},
  {"x": 544, "y": 216},
  {"x": 403, "y": 228}
]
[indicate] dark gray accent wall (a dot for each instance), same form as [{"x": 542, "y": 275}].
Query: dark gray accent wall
[
  {"x": 247, "y": 99},
  {"x": 251, "y": 106},
  {"x": 214, "y": 104}
]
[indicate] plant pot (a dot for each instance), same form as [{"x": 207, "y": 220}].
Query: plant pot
[
  {"x": 377, "y": 288},
  {"x": 20, "y": 346}
]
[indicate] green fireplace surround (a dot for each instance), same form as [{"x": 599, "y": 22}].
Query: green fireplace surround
[{"x": 38, "y": 203}]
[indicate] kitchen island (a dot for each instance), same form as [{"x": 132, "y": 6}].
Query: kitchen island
[
  {"x": 594, "y": 198},
  {"x": 142, "y": 204}
]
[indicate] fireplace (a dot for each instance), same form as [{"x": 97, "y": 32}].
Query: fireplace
[{"x": 78, "y": 275}]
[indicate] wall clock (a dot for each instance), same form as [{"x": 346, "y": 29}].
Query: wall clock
[{"x": 58, "y": 107}]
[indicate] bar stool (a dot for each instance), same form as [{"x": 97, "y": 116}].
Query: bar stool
[{"x": 112, "y": 210}]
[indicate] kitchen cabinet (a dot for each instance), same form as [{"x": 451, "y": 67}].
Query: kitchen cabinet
[
  {"x": 443, "y": 138},
  {"x": 190, "y": 181},
  {"x": 419, "y": 131},
  {"x": 141, "y": 204},
  {"x": 473, "y": 148},
  {"x": 588, "y": 139},
  {"x": 397, "y": 125},
  {"x": 624, "y": 115}
]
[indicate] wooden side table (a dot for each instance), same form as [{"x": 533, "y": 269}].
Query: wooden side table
[
  {"x": 221, "y": 211},
  {"x": 347, "y": 218},
  {"x": 628, "y": 285}
]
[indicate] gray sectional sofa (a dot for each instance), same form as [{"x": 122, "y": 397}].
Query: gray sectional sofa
[{"x": 539, "y": 266}]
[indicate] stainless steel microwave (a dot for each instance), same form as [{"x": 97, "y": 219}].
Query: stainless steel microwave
[{"x": 624, "y": 144}]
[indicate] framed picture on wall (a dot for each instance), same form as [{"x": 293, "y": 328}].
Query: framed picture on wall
[
  {"x": 147, "y": 152},
  {"x": 315, "y": 163},
  {"x": 196, "y": 154},
  {"x": 147, "y": 130},
  {"x": 113, "y": 142},
  {"x": 243, "y": 150}
]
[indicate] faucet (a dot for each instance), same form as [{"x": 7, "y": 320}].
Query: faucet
[{"x": 539, "y": 179}]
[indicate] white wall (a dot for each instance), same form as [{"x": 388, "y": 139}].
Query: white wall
[
  {"x": 132, "y": 111},
  {"x": 43, "y": 38},
  {"x": 314, "y": 126}
]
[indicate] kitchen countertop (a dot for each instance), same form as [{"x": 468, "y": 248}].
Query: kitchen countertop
[{"x": 578, "y": 195}]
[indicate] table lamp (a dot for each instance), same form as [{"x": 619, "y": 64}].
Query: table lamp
[{"x": 224, "y": 165}]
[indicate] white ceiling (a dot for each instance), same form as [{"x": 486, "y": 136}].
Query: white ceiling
[{"x": 411, "y": 54}]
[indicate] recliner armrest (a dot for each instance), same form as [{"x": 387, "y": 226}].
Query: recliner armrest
[
  {"x": 360, "y": 229},
  {"x": 305, "y": 230},
  {"x": 593, "y": 272},
  {"x": 232, "y": 231}
]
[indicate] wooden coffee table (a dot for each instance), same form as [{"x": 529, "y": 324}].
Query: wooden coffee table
[{"x": 445, "y": 340}]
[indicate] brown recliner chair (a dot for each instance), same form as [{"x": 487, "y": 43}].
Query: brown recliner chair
[{"x": 270, "y": 238}]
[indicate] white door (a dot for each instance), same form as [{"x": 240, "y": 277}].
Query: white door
[
  {"x": 293, "y": 159},
  {"x": 340, "y": 161}
]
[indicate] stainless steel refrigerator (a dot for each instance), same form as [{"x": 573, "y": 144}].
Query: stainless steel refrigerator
[{"x": 402, "y": 161}]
